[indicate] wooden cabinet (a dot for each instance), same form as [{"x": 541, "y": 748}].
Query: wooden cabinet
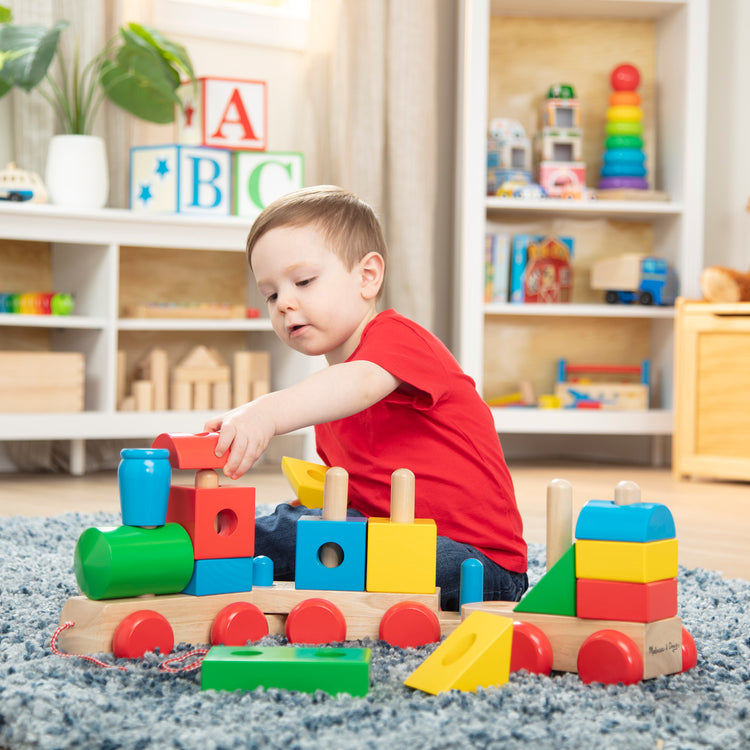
[
  {"x": 511, "y": 52},
  {"x": 111, "y": 260},
  {"x": 712, "y": 380}
]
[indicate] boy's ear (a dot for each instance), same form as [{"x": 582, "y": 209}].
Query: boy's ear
[{"x": 372, "y": 273}]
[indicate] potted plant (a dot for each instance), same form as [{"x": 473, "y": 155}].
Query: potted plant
[{"x": 138, "y": 69}]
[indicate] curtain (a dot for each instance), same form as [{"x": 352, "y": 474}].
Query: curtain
[
  {"x": 382, "y": 83},
  {"x": 92, "y": 22}
]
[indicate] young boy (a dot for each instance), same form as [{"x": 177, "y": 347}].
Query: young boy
[{"x": 392, "y": 396}]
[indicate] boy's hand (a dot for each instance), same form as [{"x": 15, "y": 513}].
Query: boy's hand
[{"x": 246, "y": 433}]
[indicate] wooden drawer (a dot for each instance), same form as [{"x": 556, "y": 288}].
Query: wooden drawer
[{"x": 712, "y": 390}]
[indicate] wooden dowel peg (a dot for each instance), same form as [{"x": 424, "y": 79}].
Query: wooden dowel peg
[
  {"x": 335, "y": 494},
  {"x": 627, "y": 492},
  {"x": 402, "y": 496},
  {"x": 206, "y": 479},
  {"x": 559, "y": 519}
]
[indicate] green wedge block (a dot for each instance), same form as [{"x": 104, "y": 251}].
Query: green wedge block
[
  {"x": 555, "y": 593},
  {"x": 302, "y": 668}
]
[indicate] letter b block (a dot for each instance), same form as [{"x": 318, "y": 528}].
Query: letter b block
[
  {"x": 181, "y": 179},
  {"x": 401, "y": 557}
]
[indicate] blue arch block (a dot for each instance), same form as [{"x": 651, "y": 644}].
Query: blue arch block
[
  {"x": 224, "y": 575},
  {"x": 313, "y": 533},
  {"x": 636, "y": 522}
]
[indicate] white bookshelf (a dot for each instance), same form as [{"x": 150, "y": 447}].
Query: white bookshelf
[
  {"x": 676, "y": 88},
  {"x": 84, "y": 254}
]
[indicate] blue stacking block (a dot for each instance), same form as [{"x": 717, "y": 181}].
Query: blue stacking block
[
  {"x": 351, "y": 536},
  {"x": 636, "y": 522},
  {"x": 226, "y": 575}
]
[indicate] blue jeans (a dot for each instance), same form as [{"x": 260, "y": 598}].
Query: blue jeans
[{"x": 276, "y": 538}]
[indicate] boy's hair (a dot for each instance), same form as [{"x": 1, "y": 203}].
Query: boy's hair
[{"x": 348, "y": 224}]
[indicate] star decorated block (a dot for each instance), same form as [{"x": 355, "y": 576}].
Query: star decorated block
[{"x": 181, "y": 179}]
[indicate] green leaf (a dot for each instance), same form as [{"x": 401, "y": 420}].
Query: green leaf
[
  {"x": 174, "y": 54},
  {"x": 26, "y": 53},
  {"x": 5, "y": 15}
]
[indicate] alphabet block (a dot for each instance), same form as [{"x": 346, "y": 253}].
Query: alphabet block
[
  {"x": 221, "y": 576},
  {"x": 181, "y": 179},
  {"x": 622, "y": 600},
  {"x": 626, "y": 561},
  {"x": 261, "y": 178},
  {"x": 306, "y": 479},
  {"x": 228, "y": 113},
  {"x": 476, "y": 654},
  {"x": 219, "y": 520},
  {"x": 307, "y": 669},
  {"x": 636, "y": 522}
]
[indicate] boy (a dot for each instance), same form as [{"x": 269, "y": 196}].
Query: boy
[{"x": 392, "y": 396}]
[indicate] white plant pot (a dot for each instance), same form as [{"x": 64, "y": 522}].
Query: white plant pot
[{"x": 76, "y": 174}]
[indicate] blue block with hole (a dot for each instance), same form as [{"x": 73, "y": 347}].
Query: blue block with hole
[
  {"x": 345, "y": 542},
  {"x": 225, "y": 575},
  {"x": 636, "y": 522}
]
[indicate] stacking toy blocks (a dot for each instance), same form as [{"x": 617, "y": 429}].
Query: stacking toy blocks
[
  {"x": 508, "y": 154},
  {"x": 607, "y": 606},
  {"x": 624, "y": 162},
  {"x": 562, "y": 173},
  {"x": 219, "y": 164}
]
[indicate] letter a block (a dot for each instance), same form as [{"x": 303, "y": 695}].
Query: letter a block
[
  {"x": 181, "y": 179},
  {"x": 228, "y": 113},
  {"x": 303, "y": 668},
  {"x": 261, "y": 178},
  {"x": 476, "y": 654}
]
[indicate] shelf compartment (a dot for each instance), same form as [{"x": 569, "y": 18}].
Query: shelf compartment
[
  {"x": 531, "y": 420},
  {"x": 13, "y": 320},
  {"x": 579, "y": 310},
  {"x": 194, "y": 324},
  {"x": 600, "y": 209}
]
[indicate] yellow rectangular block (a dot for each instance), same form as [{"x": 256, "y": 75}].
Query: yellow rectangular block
[
  {"x": 476, "y": 654},
  {"x": 306, "y": 479},
  {"x": 626, "y": 561},
  {"x": 401, "y": 557}
]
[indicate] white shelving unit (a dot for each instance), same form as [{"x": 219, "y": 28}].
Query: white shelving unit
[
  {"x": 85, "y": 260},
  {"x": 679, "y": 29}
]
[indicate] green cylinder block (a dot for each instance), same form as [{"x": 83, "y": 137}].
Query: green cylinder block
[{"x": 112, "y": 563}]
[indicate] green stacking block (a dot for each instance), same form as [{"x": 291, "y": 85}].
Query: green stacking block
[
  {"x": 303, "y": 668},
  {"x": 555, "y": 592}
]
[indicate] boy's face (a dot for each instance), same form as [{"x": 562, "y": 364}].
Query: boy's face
[{"x": 316, "y": 305}]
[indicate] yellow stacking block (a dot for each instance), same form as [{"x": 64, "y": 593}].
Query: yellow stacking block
[
  {"x": 626, "y": 561},
  {"x": 476, "y": 654},
  {"x": 401, "y": 557},
  {"x": 306, "y": 479}
]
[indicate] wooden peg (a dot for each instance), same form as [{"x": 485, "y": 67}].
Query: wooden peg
[
  {"x": 559, "y": 519},
  {"x": 206, "y": 479},
  {"x": 402, "y": 496},
  {"x": 335, "y": 494},
  {"x": 627, "y": 492}
]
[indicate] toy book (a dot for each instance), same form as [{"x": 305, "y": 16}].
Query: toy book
[{"x": 541, "y": 268}]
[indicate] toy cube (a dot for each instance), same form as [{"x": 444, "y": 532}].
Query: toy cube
[
  {"x": 401, "y": 557},
  {"x": 226, "y": 113},
  {"x": 181, "y": 179},
  {"x": 476, "y": 654},
  {"x": 626, "y": 561},
  {"x": 560, "y": 145},
  {"x": 561, "y": 113},
  {"x": 219, "y": 520},
  {"x": 307, "y": 669},
  {"x": 225, "y": 575},
  {"x": 624, "y": 600},
  {"x": 556, "y": 177},
  {"x": 346, "y": 539},
  {"x": 262, "y": 178}
]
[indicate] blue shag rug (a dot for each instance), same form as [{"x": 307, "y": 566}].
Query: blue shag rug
[{"x": 47, "y": 701}]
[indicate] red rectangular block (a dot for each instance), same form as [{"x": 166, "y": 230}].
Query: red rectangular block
[
  {"x": 219, "y": 520},
  {"x": 188, "y": 451},
  {"x": 622, "y": 600}
]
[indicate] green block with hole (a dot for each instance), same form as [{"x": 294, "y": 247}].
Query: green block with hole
[
  {"x": 555, "y": 592},
  {"x": 302, "y": 668}
]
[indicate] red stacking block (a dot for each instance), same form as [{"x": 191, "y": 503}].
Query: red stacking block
[
  {"x": 219, "y": 520},
  {"x": 622, "y": 600},
  {"x": 188, "y": 451}
]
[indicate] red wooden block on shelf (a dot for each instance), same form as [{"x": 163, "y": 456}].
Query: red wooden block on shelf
[
  {"x": 187, "y": 451},
  {"x": 624, "y": 600},
  {"x": 315, "y": 621},
  {"x": 219, "y": 520},
  {"x": 142, "y": 631}
]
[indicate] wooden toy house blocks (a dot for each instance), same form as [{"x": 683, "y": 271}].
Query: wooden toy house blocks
[{"x": 401, "y": 550}]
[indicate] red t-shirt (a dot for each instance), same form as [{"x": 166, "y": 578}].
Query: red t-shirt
[{"x": 435, "y": 424}]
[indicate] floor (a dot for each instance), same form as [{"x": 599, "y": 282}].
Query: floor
[{"x": 712, "y": 518}]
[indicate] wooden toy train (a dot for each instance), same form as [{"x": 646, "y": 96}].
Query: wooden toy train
[{"x": 180, "y": 569}]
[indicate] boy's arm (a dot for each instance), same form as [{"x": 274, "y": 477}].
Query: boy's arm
[{"x": 333, "y": 393}]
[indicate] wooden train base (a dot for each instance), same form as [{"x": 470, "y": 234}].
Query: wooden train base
[{"x": 192, "y": 617}]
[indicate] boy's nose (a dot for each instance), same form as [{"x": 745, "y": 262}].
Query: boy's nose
[{"x": 286, "y": 301}]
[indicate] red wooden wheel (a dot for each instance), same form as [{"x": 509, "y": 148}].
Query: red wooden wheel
[
  {"x": 531, "y": 649},
  {"x": 142, "y": 631},
  {"x": 315, "y": 621},
  {"x": 237, "y": 624},
  {"x": 408, "y": 625},
  {"x": 609, "y": 656},
  {"x": 689, "y": 651}
]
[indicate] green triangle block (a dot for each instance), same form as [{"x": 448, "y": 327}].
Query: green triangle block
[{"x": 555, "y": 593}]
